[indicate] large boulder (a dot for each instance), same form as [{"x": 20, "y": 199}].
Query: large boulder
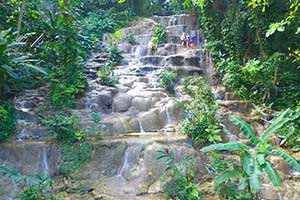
[
  {"x": 150, "y": 120},
  {"x": 28, "y": 158},
  {"x": 122, "y": 102},
  {"x": 141, "y": 103}
]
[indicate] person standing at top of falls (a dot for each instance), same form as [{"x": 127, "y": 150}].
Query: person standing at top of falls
[
  {"x": 183, "y": 39},
  {"x": 193, "y": 39},
  {"x": 188, "y": 40}
]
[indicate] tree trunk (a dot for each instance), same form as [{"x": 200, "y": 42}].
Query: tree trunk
[
  {"x": 260, "y": 43},
  {"x": 22, "y": 9},
  {"x": 66, "y": 4}
]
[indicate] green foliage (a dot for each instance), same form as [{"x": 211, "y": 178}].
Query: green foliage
[
  {"x": 67, "y": 80},
  {"x": 98, "y": 22},
  {"x": 290, "y": 133},
  {"x": 201, "y": 123},
  {"x": 114, "y": 53},
  {"x": 160, "y": 36},
  {"x": 130, "y": 38},
  {"x": 230, "y": 184},
  {"x": 258, "y": 68},
  {"x": 16, "y": 67},
  {"x": 253, "y": 160},
  {"x": 37, "y": 188},
  {"x": 65, "y": 129},
  {"x": 40, "y": 190},
  {"x": 168, "y": 80},
  {"x": 258, "y": 76},
  {"x": 99, "y": 127},
  {"x": 105, "y": 76},
  {"x": 180, "y": 186},
  {"x": 7, "y": 120},
  {"x": 75, "y": 157}
]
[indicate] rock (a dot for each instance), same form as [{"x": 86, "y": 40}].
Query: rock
[
  {"x": 176, "y": 60},
  {"x": 154, "y": 60},
  {"x": 155, "y": 187},
  {"x": 280, "y": 165},
  {"x": 122, "y": 102},
  {"x": 192, "y": 61},
  {"x": 167, "y": 49},
  {"x": 104, "y": 101},
  {"x": 114, "y": 126},
  {"x": 107, "y": 159},
  {"x": 268, "y": 192},
  {"x": 150, "y": 120},
  {"x": 125, "y": 47},
  {"x": 28, "y": 158},
  {"x": 141, "y": 103},
  {"x": 135, "y": 127}
]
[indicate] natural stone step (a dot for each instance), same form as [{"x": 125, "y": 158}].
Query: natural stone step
[
  {"x": 129, "y": 161},
  {"x": 237, "y": 105},
  {"x": 153, "y": 60},
  {"x": 187, "y": 70}
]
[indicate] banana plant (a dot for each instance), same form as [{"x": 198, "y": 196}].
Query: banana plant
[
  {"x": 254, "y": 158},
  {"x": 14, "y": 64}
]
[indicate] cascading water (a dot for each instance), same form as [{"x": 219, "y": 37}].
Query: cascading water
[
  {"x": 141, "y": 126},
  {"x": 125, "y": 163},
  {"x": 45, "y": 166},
  {"x": 169, "y": 119}
]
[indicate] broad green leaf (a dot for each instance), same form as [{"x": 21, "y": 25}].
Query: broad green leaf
[
  {"x": 36, "y": 68},
  {"x": 288, "y": 158},
  {"x": 247, "y": 162},
  {"x": 276, "y": 124},
  {"x": 272, "y": 174},
  {"x": 231, "y": 146},
  {"x": 260, "y": 159},
  {"x": 226, "y": 175},
  {"x": 245, "y": 128},
  {"x": 255, "y": 178}
]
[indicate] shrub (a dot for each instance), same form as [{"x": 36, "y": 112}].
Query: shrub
[
  {"x": 160, "y": 36},
  {"x": 38, "y": 188},
  {"x": 65, "y": 129},
  {"x": 64, "y": 54},
  {"x": 180, "y": 185},
  {"x": 168, "y": 80},
  {"x": 16, "y": 67},
  {"x": 254, "y": 159},
  {"x": 7, "y": 120},
  {"x": 201, "y": 123},
  {"x": 290, "y": 134},
  {"x": 99, "y": 128},
  {"x": 75, "y": 157},
  {"x": 114, "y": 53},
  {"x": 105, "y": 76}
]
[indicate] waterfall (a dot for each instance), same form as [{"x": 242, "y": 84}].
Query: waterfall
[
  {"x": 125, "y": 163},
  {"x": 45, "y": 166},
  {"x": 141, "y": 126},
  {"x": 169, "y": 119}
]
